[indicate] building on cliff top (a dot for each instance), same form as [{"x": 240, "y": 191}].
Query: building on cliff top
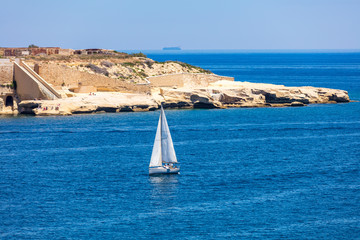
[
  {"x": 18, "y": 52},
  {"x": 91, "y": 51},
  {"x": 37, "y": 51}
]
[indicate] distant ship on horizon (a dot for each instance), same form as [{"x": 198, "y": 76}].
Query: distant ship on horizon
[{"x": 171, "y": 48}]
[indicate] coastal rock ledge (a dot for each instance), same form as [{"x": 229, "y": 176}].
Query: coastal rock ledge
[{"x": 219, "y": 94}]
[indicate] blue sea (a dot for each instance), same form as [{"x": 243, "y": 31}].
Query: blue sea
[{"x": 260, "y": 173}]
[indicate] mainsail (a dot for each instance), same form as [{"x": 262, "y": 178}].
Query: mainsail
[
  {"x": 163, "y": 150},
  {"x": 167, "y": 147}
]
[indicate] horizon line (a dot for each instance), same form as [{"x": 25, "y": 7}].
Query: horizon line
[{"x": 247, "y": 50}]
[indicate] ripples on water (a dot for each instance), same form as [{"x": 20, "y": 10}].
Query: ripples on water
[{"x": 245, "y": 173}]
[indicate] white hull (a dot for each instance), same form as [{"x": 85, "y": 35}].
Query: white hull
[{"x": 163, "y": 170}]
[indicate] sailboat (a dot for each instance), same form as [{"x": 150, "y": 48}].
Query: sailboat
[{"x": 163, "y": 157}]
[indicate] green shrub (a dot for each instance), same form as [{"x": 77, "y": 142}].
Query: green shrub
[
  {"x": 192, "y": 67},
  {"x": 128, "y": 64},
  {"x": 33, "y": 46},
  {"x": 140, "y": 54},
  {"x": 149, "y": 63}
]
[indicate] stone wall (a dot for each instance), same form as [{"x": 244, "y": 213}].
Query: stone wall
[
  {"x": 30, "y": 51},
  {"x": 60, "y": 75},
  {"x": 6, "y": 71},
  {"x": 28, "y": 87},
  {"x": 66, "y": 52},
  {"x": 186, "y": 79}
]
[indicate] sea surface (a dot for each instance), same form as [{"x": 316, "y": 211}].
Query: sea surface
[{"x": 260, "y": 173}]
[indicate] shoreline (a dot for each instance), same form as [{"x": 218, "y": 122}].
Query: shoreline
[
  {"x": 118, "y": 82},
  {"x": 218, "y": 95}
]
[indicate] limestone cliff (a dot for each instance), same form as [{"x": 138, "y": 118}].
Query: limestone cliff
[
  {"x": 244, "y": 94},
  {"x": 105, "y": 72},
  {"x": 220, "y": 94},
  {"x": 123, "y": 82}
]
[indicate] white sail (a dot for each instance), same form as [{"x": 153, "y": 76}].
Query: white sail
[
  {"x": 156, "y": 152},
  {"x": 167, "y": 148}
]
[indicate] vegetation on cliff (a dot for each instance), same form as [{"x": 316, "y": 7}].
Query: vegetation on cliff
[
  {"x": 133, "y": 68},
  {"x": 33, "y": 46}
]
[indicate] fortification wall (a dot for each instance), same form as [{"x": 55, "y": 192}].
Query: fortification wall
[
  {"x": 6, "y": 71},
  {"x": 27, "y": 86},
  {"x": 186, "y": 79},
  {"x": 59, "y": 75}
]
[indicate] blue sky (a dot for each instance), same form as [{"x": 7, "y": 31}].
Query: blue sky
[{"x": 191, "y": 24}]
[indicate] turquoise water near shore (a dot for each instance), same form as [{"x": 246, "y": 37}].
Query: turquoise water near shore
[{"x": 272, "y": 173}]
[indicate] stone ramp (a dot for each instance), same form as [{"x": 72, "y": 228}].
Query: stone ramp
[{"x": 30, "y": 85}]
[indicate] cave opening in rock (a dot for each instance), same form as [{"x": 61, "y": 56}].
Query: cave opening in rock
[{"x": 9, "y": 102}]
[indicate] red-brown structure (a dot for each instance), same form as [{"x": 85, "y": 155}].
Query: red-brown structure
[
  {"x": 17, "y": 52},
  {"x": 36, "y": 51}
]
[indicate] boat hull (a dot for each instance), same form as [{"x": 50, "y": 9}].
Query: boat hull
[{"x": 163, "y": 170}]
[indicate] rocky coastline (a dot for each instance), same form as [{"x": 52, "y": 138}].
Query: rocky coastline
[
  {"x": 130, "y": 83},
  {"x": 221, "y": 94}
]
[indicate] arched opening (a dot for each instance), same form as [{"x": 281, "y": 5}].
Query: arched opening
[{"x": 9, "y": 102}]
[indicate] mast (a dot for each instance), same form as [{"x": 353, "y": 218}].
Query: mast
[
  {"x": 162, "y": 137},
  {"x": 161, "y": 133}
]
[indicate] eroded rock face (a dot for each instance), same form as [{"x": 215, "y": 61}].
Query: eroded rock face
[
  {"x": 185, "y": 98},
  {"x": 242, "y": 94},
  {"x": 85, "y": 103},
  {"x": 220, "y": 94},
  {"x": 338, "y": 96}
]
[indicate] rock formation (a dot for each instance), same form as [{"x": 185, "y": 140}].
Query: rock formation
[
  {"x": 123, "y": 82},
  {"x": 244, "y": 94},
  {"x": 221, "y": 94}
]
